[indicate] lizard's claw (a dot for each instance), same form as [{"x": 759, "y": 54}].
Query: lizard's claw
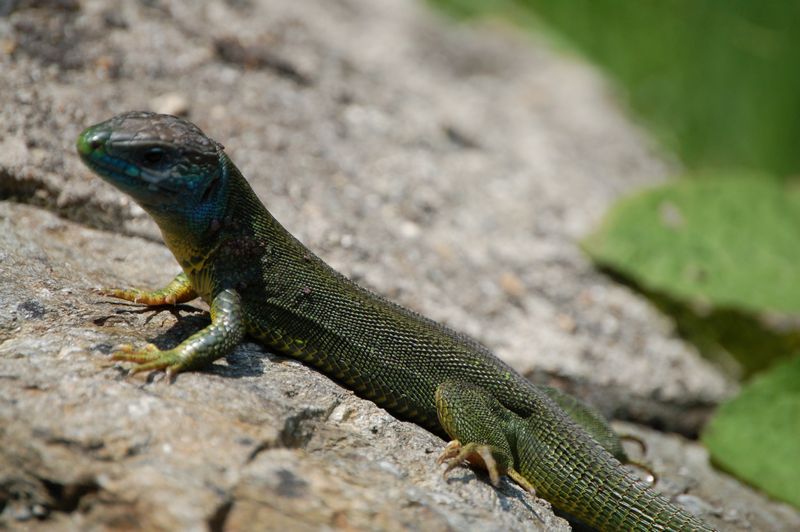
[
  {"x": 118, "y": 293},
  {"x": 651, "y": 476},
  {"x": 455, "y": 454},
  {"x": 522, "y": 481},
  {"x": 134, "y": 295},
  {"x": 450, "y": 451},
  {"x": 635, "y": 439},
  {"x": 149, "y": 358}
]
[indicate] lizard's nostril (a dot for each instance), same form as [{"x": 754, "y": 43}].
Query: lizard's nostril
[{"x": 91, "y": 140}]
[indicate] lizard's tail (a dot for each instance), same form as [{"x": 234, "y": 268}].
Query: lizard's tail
[
  {"x": 579, "y": 477},
  {"x": 557, "y": 458}
]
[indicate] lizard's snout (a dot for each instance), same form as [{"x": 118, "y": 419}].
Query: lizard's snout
[{"x": 91, "y": 140}]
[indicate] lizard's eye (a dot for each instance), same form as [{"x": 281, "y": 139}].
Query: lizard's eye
[{"x": 153, "y": 158}]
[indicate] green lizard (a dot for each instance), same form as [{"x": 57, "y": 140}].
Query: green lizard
[{"x": 261, "y": 281}]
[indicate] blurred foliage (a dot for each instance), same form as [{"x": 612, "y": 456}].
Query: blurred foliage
[
  {"x": 740, "y": 343},
  {"x": 716, "y": 254},
  {"x": 765, "y": 416},
  {"x": 718, "y": 82},
  {"x": 721, "y": 256},
  {"x": 732, "y": 242}
]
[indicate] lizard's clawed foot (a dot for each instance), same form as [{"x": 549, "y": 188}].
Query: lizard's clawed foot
[
  {"x": 179, "y": 290},
  {"x": 522, "y": 481},
  {"x": 455, "y": 454},
  {"x": 137, "y": 296},
  {"x": 652, "y": 477},
  {"x": 635, "y": 439},
  {"x": 149, "y": 358},
  {"x": 451, "y": 450}
]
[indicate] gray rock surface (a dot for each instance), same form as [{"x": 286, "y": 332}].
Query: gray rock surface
[
  {"x": 450, "y": 168},
  {"x": 257, "y": 443},
  {"x": 451, "y": 171},
  {"x": 254, "y": 442}
]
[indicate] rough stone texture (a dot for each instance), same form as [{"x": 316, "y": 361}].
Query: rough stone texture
[
  {"x": 703, "y": 490},
  {"x": 256, "y": 441},
  {"x": 452, "y": 169},
  {"x": 259, "y": 442}
]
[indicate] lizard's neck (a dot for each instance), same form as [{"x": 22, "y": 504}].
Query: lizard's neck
[
  {"x": 198, "y": 232},
  {"x": 233, "y": 233}
]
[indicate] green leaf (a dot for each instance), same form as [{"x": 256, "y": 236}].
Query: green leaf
[
  {"x": 732, "y": 242},
  {"x": 756, "y": 436}
]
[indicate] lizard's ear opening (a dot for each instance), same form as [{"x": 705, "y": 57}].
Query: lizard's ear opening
[{"x": 211, "y": 188}]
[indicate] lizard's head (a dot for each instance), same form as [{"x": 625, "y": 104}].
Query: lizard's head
[{"x": 165, "y": 163}]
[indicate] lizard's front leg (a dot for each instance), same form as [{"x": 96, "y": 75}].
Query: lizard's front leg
[
  {"x": 179, "y": 290},
  {"x": 203, "y": 347}
]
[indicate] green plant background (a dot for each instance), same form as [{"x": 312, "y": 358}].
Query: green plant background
[
  {"x": 717, "y": 81},
  {"x": 718, "y": 84}
]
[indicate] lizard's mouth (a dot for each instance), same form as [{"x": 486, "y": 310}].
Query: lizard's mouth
[{"x": 92, "y": 146}]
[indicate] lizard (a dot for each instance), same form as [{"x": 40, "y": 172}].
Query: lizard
[{"x": 261, "y": 281}]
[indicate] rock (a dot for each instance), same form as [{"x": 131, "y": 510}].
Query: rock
[
  {"x": 364, "y": 152},
  {"x": 423, "y": 159},
  {"x": 685, "y": 474},
  {"x": 254, "y": 441},
  {"x": 171, "y": 103}
]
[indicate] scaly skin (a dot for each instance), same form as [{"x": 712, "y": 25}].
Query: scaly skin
[
  {"x": 543, "y": 452},
  {"x": 261, "y": 281}
]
